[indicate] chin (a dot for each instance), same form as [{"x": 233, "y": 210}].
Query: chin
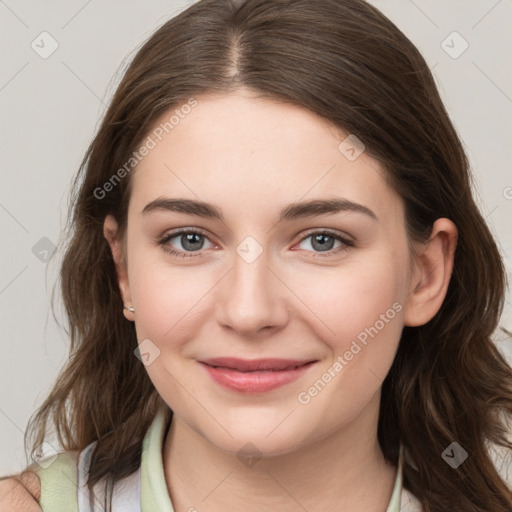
[{"x": 256, "y": 441}]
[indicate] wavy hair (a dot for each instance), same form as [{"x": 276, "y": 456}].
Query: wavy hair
[{"x": 346, "y": 62}]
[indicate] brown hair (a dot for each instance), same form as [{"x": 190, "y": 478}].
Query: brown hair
[{"x": 346, "y": 62}]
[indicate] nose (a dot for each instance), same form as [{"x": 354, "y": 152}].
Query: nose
[{"x": 252, "y": 298}]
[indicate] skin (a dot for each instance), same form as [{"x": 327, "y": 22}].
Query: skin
[{"x": 252, "y": 157}]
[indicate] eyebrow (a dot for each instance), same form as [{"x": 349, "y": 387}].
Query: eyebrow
[{"x": 293, "y": 211}]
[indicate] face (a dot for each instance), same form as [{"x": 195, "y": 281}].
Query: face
[{"x": 266, "y": 278}]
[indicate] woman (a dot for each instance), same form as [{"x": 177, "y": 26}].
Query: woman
[{"x": 272, "y": 276}]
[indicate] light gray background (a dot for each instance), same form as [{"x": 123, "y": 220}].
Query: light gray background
[{"x": 51, "y": 107}]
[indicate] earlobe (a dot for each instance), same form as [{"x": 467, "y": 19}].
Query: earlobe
[
  {"x": 110, "y": 232},
  {"x": 433, "y": 270}
]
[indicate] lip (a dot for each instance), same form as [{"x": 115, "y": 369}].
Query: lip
[{"x": 255, "y": 375}]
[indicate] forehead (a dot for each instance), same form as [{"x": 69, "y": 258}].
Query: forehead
[{"x": 244, "y": 152}]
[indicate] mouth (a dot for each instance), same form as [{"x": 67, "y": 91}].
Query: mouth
[{"x": 255, "y": 375}]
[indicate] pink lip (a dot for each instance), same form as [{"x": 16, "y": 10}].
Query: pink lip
[{"x": 255, "y": 375}]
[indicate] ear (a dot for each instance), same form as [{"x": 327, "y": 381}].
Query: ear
[
  {"x": 111, "y": 233},
  {"x": 432, "y": 273}
]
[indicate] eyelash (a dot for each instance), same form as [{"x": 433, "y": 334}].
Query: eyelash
[{"x": 184, "y": 254}]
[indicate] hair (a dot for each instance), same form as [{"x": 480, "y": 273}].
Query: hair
[{"x": 346, "y": 62}]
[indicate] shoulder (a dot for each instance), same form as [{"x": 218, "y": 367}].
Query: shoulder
[
  {"x": 58, "y": 476},
  {"x": 20, "y": 492},
  {"x": 48, "y": 483}
]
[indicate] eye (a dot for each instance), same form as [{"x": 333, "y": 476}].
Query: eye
[
  {"x": 324, "y": 241},
  {"x": 190, "y": 240}
]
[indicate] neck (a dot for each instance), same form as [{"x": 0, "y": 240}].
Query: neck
[{"x": 344, "y": 471}]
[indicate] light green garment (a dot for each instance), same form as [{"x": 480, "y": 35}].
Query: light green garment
[
  {"x": 59, "y": 480},
  {"x": 58, "y": 484}
]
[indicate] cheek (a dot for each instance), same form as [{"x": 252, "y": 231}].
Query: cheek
[
  {"x": 349, "y": 300},
  {"x": 170, "y": 304},
  {"x": 168, "y": 300},
  {"x": 362, "y": 308}
]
